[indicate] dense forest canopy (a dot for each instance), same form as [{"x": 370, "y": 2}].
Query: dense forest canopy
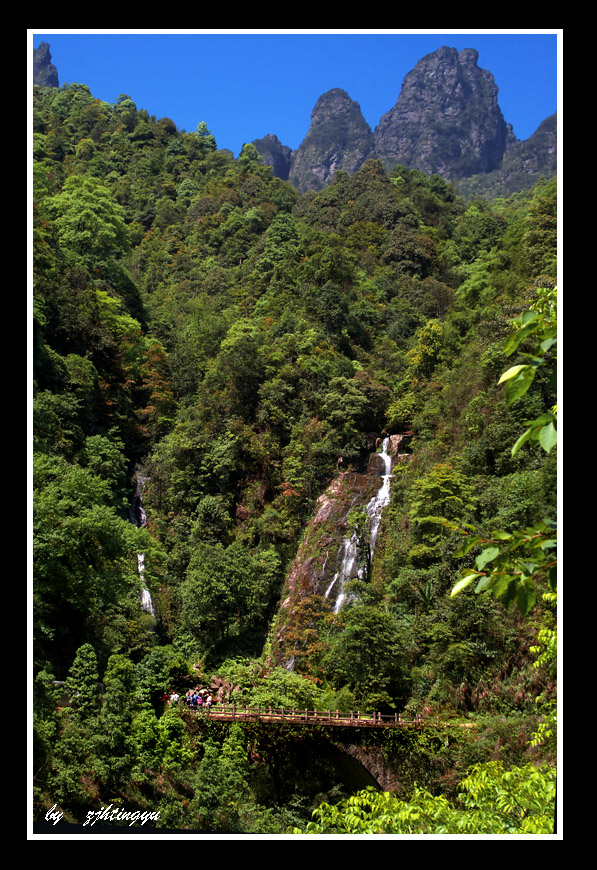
[{"x": 199, "y": 325}]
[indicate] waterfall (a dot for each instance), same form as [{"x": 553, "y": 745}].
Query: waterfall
[
  {"x": 344, "y": 573},
  {"x": 138, "y": 518},
  {"x": 381, "y": 499},
  {"x": 335, "y": 550},
  {"x": 349, "y": 549}
]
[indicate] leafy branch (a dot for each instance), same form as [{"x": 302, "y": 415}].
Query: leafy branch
[
  {"x": 510, "y": 563},
  {"x": 543, "y": 330}
]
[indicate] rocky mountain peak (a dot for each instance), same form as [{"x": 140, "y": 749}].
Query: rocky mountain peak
[
  {"x": 275, "y": 154},
  {"x": 45, "y": 73},
  {"x": 447, "y": 119},
  {"x": 338, "y": 138}
]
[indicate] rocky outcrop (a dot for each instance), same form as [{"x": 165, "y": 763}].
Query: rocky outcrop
[
  {"x": 315, "y": 562},
  {"x": 537, "y": 155},
  {"x": 524, "y": 163},
  {"x": 338, "y": 138},
  {"x": 45, "y": 73},
  {"x": 275, "y": 154},
  {"x": 446, "y": 120}
]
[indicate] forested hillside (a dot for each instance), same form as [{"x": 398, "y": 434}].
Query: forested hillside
[{"x": 202, "y": 329}]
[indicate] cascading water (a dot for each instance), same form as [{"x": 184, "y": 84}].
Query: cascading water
[
  {"x": 350, "y": 546},
  {"x": 338, "y": 546},
  {"x": 138, "y": 518},
  {"x": 379, "y": 501}
]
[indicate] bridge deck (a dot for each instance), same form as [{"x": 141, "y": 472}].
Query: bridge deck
[{"x": 223, "y": 713}]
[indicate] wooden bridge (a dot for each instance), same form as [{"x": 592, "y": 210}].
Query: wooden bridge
[{"x": 233, "y": 713}]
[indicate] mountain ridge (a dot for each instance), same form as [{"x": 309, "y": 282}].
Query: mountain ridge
[{"x": 446, "y": 121}]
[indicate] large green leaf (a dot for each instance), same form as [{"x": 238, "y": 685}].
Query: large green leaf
[
  {"x": 518, "y": 337},
  {"x": 548, "y": 437},
  {"x": 488, "y": 555},
  {"x": 512, "y": 373},
  {"x": 525, "y": 595},
  {"x": 520, "y": 441},
  {"x": 467, "y": 546},
  {"x": 517, "y": 385},
  {"x": 462, "y": 584}
]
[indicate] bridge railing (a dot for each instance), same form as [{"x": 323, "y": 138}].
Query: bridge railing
[{"x": 279, "y": 714}]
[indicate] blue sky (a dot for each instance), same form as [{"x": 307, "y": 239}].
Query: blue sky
[{"x": 249, "y": 83}]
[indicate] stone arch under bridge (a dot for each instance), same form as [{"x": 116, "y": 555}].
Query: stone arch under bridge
[
  {"x": 381, "y": 772},
  {"x": 359, "y": 754}
]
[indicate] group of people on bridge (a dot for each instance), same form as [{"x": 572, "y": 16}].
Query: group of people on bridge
[{"x": 197, "y": 698}]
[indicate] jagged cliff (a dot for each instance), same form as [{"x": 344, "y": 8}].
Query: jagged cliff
[
  {"x": 338, "y": 138},
  {"x": 275, "y": 154},
  {"x": 524, "y": 163},
  {"x": 446, "y": 121},
  {"x": 45, "y": 73}
]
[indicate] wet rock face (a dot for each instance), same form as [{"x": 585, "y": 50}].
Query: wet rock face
[
  {"x": 338, "y": 546},
  {"x": 314, "y": 565}
]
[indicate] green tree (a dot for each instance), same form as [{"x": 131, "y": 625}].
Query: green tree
[
  {"x": 366, "y": 656},
  {"x": 237, "y": 371},
  {"x": 84, "y": 557},
  {"x": 104, "y": 457},
  {"x": 492, "y": 800},
  {"x": 162, "y": 668},
  {"x": 282, "y": 688},
  {"x": 443, "y": 491},
  {"x": 120, "y": 684},
  {"x": 46, "y": 720},
  {"x": 111, "y": 733},
  {"x": 82, "y": 684},
  {"x": 205, "y": 138},
  {"x": 88, "y": 221},
  {"x": 56, "y": 424},
  {"x": 345, "y": 409},
  {"x": 219, "y": 790},
  {"x": 423, "y": 356},
  {"x": 226, "y": 589}
]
